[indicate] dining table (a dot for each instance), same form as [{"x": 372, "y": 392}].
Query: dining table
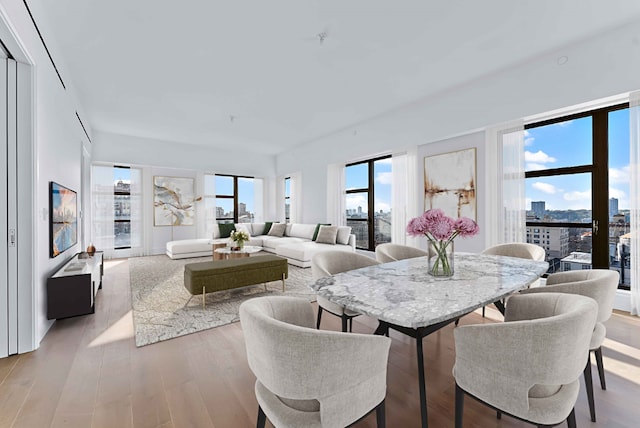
[{"x": 403, "y": 295}]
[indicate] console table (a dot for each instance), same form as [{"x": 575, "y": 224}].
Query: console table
[{"x": 71, "y": 290}]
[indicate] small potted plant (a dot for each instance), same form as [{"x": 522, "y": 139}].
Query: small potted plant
[{"x": 239, "y": 237}]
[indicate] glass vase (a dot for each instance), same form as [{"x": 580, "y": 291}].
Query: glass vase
[{"x": 441, "y": 258}]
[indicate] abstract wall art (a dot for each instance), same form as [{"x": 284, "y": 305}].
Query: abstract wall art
[
  {"x": 173, "y": 201},
  {"x": 450, "y": 183},
  {"x": 63, "y": 224}
]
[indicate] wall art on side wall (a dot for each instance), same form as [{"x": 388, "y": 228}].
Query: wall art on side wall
[
  {"x": 173, "y": 201},
  {"x": 450, "y": 183}
]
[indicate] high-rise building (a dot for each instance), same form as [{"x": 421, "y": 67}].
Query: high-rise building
[
  {"x": 613, "y": 207},
  {"x": 538, "y": 208}
]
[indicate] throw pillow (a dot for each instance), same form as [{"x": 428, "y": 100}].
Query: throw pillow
[
  {"x": 327, "y": 235},
  {"x": 246, "y": 227},
  {"x": 343, "y": 235},
  {"x": 267, "y": 228},
  {"x": 277, "y": 229},
  {"x": 315, "y": 233},
  {"x": 225, "y": 229}
]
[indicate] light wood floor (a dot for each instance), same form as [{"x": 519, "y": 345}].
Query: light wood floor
[{"x": 88, "y": 373}]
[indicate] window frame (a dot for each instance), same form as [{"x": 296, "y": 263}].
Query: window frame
[
  {"x": 234, "y": 196},
  {"x": 370, "y": 191},
  {"x": 599, "y": 170},
  {"x": 287, "y": 200},
  {"x": 121, "y": 221}
]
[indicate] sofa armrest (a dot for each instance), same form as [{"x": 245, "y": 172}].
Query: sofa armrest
[{"x": 352, "y": 241}]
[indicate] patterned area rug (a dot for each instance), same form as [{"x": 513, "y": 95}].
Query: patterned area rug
[{"x": 164, "y": 309}]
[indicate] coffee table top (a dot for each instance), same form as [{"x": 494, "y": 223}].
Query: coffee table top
[{"x": 247, "y": 249}]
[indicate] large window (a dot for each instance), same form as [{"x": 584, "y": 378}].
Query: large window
[
  {"x": 117, "y": 201},
  {"x": 287, "y": 199},
  {"x": 368, "y": 201},
  {"x": 234, "y": 199},
  {"x": 577, "y": 188}
]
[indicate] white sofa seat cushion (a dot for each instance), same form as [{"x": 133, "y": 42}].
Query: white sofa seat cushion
[
  {"x": 272, "y": 242},
  {"x": 305, "y": 251}
]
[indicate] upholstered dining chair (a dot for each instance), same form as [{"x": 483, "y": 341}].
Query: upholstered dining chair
[
  {"x": 520, "y": 250},
  {"x": 330, "y": 263},
  {"x": 600, "y": 285},
  {"x": 391, "y": 252},
  {"x": 308, "y": 377},
  {"x": 528, "y": 366}
]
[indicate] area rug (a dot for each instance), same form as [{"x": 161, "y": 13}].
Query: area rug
[{"x": 164, "y": 309}]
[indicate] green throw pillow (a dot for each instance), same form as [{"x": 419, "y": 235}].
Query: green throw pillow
[
  {"x": 315, "y": 234},
  {"x": 267, "y": 227},
  {"x": 226, "y": 229}
]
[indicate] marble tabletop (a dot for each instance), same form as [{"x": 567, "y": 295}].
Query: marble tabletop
[{"x": 404, "y": 294}]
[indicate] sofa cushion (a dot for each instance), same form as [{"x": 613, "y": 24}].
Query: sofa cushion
[
  {"x": 257, "y": 229},
  {"x": 225, "y": 229},
  {"x": 245, "y": 227},
  {"x": 343, "y": 235},
  {"x": 327, "y": 235},
  {"x": 301, "y": 230},
  {"x": 315, "y": 232},
  {"x": 266, "y": 228},
  {"x": 304, "y": 251},
  {"x": 277, "y": 229},
  {"x": 271, "y": 242}
]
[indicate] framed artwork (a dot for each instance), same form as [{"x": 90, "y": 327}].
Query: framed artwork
[
  {"x": 63, "y": 219},
  {"x": 450, "y": 183},
  {"x": 173, "y": 201}
]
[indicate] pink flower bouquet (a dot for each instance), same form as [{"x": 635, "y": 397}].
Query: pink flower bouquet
[{"x": 441, "y": 230}]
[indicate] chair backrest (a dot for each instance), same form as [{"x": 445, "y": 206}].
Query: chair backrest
[
  {"x": 388, "y": 252},
  {"x": 297, "y": 362},
  {"x": 542, "y": 345},
  {"x": 599, "y": 284},
  {"x": 517, "y": 249},
  {"x": 330, "y": 263}
]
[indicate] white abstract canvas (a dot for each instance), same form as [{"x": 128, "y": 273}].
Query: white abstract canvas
[
  {"x": 450, "y": 183},
  {"x": 173, "y": 201}
]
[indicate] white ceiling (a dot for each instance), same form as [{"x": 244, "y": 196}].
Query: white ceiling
[{"x": 178, "y": 71}]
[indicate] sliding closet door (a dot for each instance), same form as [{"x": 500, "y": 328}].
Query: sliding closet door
[{"x": 8, "y": 216}]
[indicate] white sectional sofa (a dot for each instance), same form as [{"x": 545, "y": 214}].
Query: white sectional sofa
[{"x": 297, "y": 243}]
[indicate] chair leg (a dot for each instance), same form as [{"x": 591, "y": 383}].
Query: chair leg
[
  {"x": 498, "y": 414},
  {"x": 380, "y": 415},
  {"x": 351, "y": 325},
  {"x": 598, "y": 353},
  {"x": 483, "y": 312},
  {"x": 588, "y": 381},
  {"x": 344, "y": 323},
  {"x": 571, "y": 419},
  {"x": 262, "y": 418},
  {"x": 459, "y": 406},
  {"x": 319, "y": 318}
]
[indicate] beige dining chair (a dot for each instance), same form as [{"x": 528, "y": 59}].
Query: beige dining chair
[
  {"x": 388, "y": 252},
  {"x": 520, "y": 250},
  {"x": 600, "y": 285},
  {"x": 308, "y": 377},
  {"x": 528, "y": 366},
  {"x": 329, "y": 263}
]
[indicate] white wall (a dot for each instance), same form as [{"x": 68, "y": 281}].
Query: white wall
[{"x": 53, "y": 140}]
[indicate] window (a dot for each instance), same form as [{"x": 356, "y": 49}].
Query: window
[
  {"x": 368, "y": 201},
  {"x": 287, "y": 199},
  {"x": 234, "y": 199},
  {"x": 117, "y": 201},
  {"x": 577, "y": 181}
]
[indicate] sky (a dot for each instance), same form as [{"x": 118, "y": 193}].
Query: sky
[{"x": 569, "y": 144}]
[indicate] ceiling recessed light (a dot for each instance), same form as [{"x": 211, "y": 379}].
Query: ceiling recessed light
[{"x": 562, "y": 60}]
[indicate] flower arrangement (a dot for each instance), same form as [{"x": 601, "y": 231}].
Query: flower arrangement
[
  {"x": 441, "y": 230},
  {"x": 239, "y": 237}
]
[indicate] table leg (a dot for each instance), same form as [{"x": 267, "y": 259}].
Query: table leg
[{"x": 421, "y": 383}]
